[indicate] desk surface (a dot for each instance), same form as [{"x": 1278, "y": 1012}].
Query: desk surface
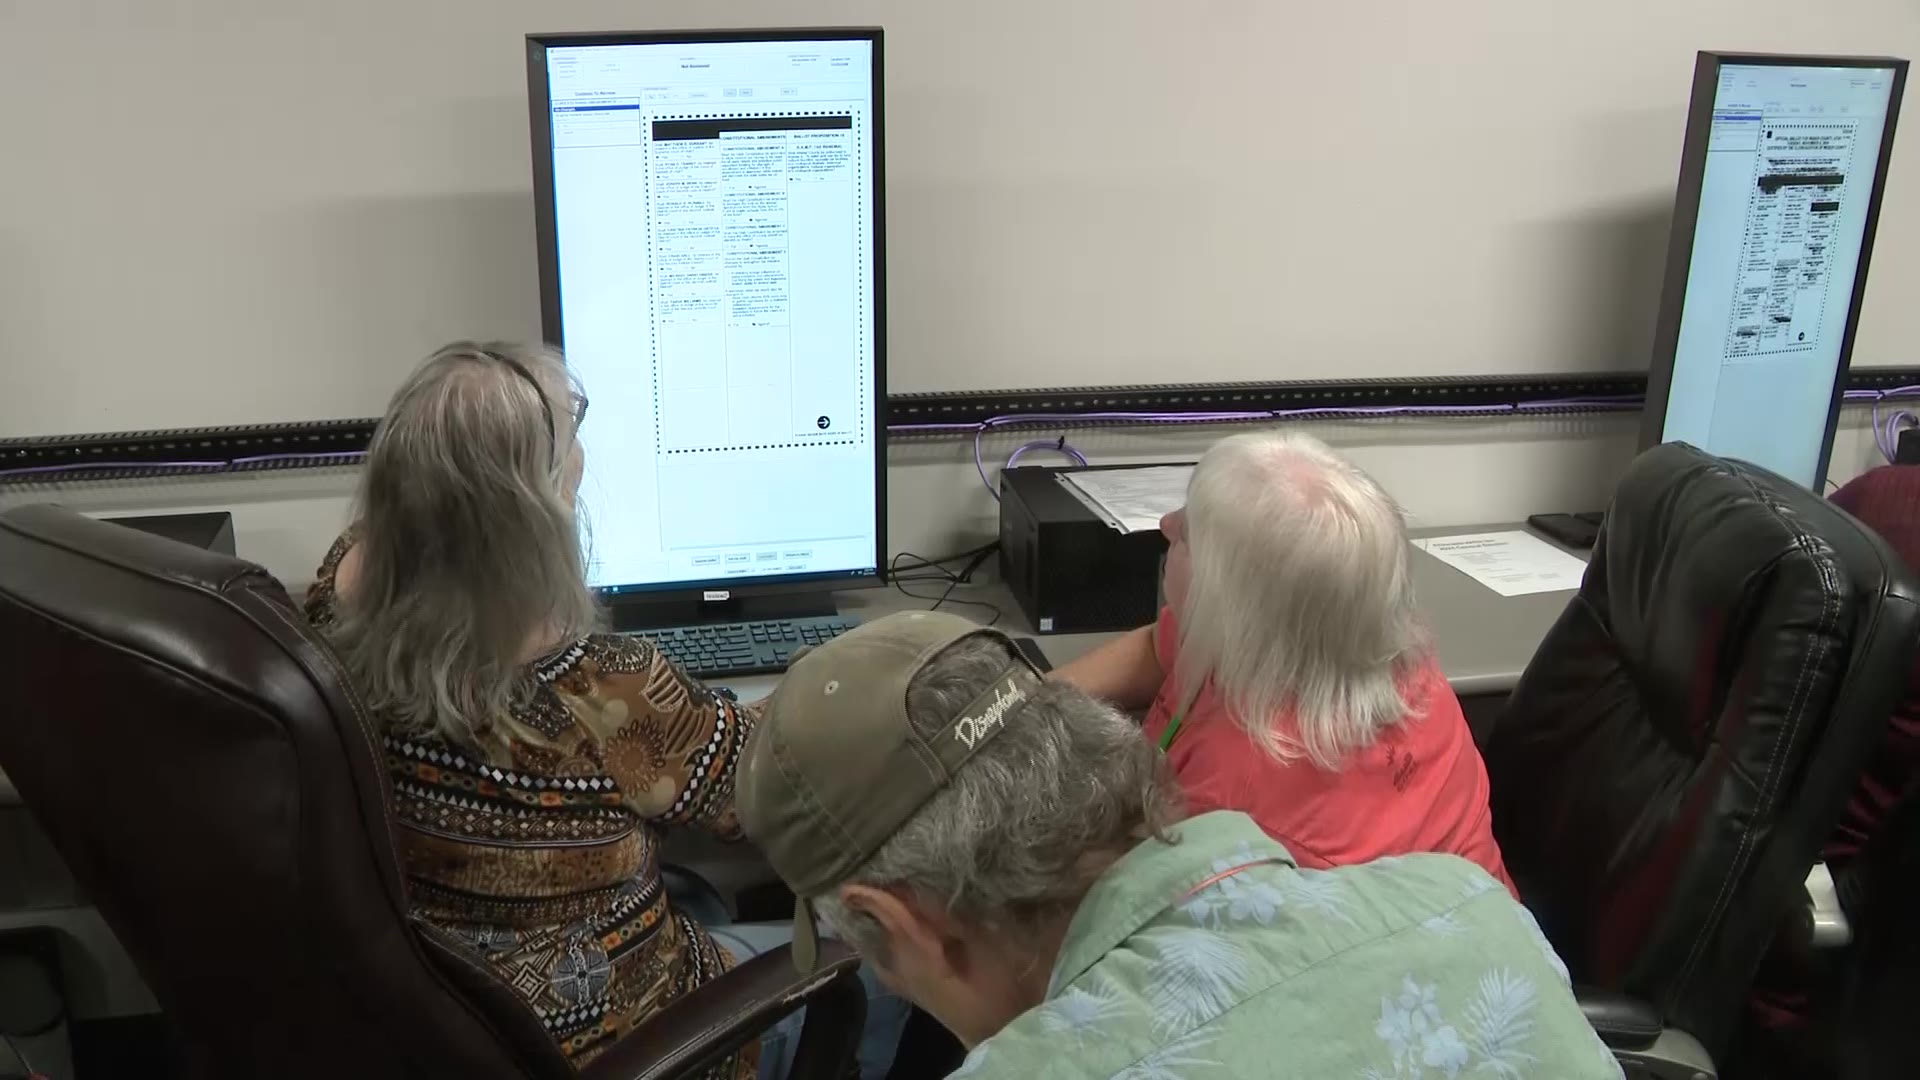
[{"x": 1483, "y": 639}]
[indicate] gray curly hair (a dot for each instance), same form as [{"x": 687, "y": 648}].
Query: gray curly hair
[{"x": 1016, "y": 837}]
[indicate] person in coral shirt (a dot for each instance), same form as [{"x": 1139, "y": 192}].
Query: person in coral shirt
[{"x": 1289, "y": 676}]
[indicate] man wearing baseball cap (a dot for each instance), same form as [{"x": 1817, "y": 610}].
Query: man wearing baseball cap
[{"x": 1003, "y": 850}]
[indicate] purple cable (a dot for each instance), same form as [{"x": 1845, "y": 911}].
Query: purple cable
[
  {"x": 981, "y": 428},
  {"x": 90, "y": 466},
  {"x": 1615, "y": 401},
  {"x": 1887, "y": 436},
  {"x": 1058, "y": 446},
  {"x": 1876, "y": 395},
  {"x": 154, "y": 466},
  {"x": 1884, "y": 437}
]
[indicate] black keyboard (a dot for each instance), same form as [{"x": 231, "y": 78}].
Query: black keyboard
[{"x": 721, "y": 650}]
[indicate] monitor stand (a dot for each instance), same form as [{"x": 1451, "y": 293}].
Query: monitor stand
[{"x": 641, "y": 612}]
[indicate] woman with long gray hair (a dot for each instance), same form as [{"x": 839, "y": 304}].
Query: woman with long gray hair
[
  {"x": 535, "y": 759},
  {"x": 1289, "y": 676}
]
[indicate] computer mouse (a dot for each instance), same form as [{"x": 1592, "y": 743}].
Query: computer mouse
[{"x": 725, "y": 692}]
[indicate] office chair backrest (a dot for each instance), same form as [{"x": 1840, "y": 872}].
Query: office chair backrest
[
  {"x": 1683, "y": 740},
  {"x": 197, "y": 758}
]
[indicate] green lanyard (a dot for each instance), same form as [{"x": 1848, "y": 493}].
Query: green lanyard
[{"x": 1173, "y": 728}]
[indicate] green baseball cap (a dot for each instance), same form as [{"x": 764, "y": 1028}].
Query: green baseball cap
[{"x": 834, "y": 768}]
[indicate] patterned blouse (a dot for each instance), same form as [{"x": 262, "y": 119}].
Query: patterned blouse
[{"x": 545, "y": 856}]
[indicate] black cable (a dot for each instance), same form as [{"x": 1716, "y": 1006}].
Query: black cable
[
  {"x": 946, "y": 597},
  {"x": 975, "y": 558},
  {"x": 919, "y": 563}
]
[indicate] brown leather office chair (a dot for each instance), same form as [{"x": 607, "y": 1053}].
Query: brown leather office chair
[{"x": 193, "y": 751}]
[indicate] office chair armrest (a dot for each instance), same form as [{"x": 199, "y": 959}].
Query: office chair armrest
[
  {"x": 1631, "y": 1028},
  {"x": 1622, "y": 1022},
  {"x": 1830, "y": 927},
  {"x": 717, "y": 1019}
]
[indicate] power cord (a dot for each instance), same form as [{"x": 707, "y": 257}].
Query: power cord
[
  {"x": 1886, "y": 434},
  {"x": 924, "y": 569}
]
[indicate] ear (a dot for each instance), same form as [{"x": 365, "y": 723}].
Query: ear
[{"x": 916, "y": 936}]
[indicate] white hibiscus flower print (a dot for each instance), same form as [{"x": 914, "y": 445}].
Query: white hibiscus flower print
[
  {"x": 1406, "y": 1022},
  {"x": 1248, "y": 895}
]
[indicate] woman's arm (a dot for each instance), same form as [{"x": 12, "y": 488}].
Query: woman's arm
[
  {"x": 1125, "y": 672},
  {"x": 667, "y": 740}
]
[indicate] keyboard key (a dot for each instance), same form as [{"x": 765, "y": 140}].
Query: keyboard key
[{"x": 717, "y": 650}]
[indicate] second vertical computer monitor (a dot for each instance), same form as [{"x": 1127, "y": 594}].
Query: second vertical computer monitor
[
  {"x": 710, "y": 228},
  {"x": 1780, "y": 189}
]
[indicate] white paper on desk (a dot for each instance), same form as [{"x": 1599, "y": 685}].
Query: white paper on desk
[
  {"x": 1131, "y": 500},
  {"x": 1510, "y": 563}
]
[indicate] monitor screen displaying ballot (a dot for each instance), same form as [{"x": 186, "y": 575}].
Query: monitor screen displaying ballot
[
  {"x": 710, "y": 220},
  {"x": 1779, "y": 193}
]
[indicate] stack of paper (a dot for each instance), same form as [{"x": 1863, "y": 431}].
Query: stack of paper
[
  {"x": 1510, "y": 563},
  {"x": 1131, "y": 500}
]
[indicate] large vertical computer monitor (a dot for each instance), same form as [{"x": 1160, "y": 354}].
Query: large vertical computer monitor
[
  {"x": 1784, "y": 164},
  {"x": 710, "y": 225}
]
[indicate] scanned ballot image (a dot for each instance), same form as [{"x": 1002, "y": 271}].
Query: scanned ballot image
[{"x": 1781, "y": 293}]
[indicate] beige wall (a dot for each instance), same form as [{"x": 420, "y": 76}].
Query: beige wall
[{"x": 229, "y": 211}]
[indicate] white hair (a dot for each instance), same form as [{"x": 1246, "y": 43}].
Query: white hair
[
  {"x": 1300, "y": 596},
  {"x": 1017, "y": 837}
]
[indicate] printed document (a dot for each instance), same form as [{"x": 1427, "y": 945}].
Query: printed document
[
  {"x": 1131, "y": 500},
  {"x": 1510, "y": 563}
]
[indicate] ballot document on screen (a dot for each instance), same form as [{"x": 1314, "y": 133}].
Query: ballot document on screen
[
  {"x": 714, "y": 229},
  {"x": 752, "y": 246},
  {"x": 1791, "y": 162}
]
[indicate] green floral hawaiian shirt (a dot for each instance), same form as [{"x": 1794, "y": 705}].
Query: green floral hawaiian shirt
[{"x": 1215, "y": 956}]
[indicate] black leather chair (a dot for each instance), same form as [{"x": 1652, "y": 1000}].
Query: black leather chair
[
  {"x": 192, "y": 750},
  {"x": 1686, "y": 736}
]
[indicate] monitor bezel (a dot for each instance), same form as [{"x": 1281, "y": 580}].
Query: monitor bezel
[
  {"x": 1686, "y": 217},
  {"x": 540, "y": 127}
]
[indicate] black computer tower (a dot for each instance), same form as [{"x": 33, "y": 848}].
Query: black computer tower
[{"x": 1069, "y": 569}]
